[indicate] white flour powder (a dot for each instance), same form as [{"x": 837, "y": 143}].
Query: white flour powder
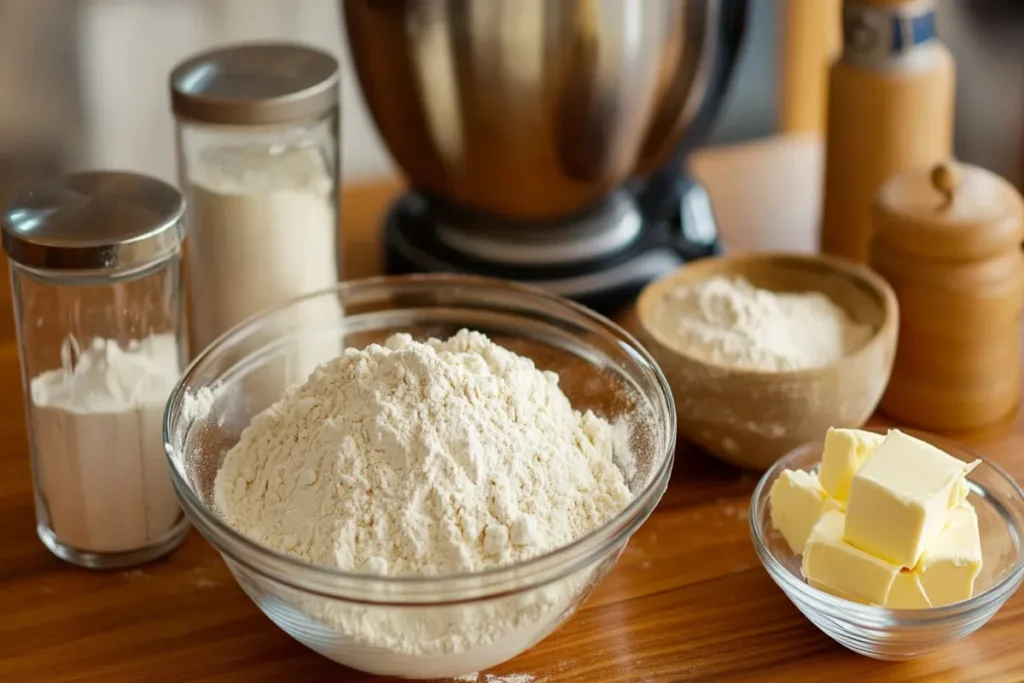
[
  {"x": 730, "y": 322},
  {"x": 262, "y": 230},
  {"x": 422, "y": 459},
  {"x": 97, "y": 426},
  {"x": 427, "y": 459}
]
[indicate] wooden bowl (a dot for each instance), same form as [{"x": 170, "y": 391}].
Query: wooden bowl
[{"x": 751, "y": 417}]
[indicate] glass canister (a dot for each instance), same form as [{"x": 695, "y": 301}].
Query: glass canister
[
  {"x": 948, "y": 240},
  {"x": 95, "y": 261},
  {"x": 257, "y": 136}
]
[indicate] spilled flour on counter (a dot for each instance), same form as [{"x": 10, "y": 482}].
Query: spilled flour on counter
[
  {"x": 729, "y": 321},
  {"x": 425, "y": 459}
]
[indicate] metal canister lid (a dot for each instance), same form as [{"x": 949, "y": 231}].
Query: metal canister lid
[
  {"x": 255, "y": 84},
  {"x": 94, "y": 221}
]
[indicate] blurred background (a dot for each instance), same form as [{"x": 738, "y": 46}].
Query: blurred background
[{"x": 83, "y": 83}]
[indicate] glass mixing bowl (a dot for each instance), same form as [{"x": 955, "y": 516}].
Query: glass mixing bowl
[
  {"x": 903, "y": 634},
  {"x": 429, "y": 627}
]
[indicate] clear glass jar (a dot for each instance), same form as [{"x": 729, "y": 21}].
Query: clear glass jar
[
  {"x": 257, "y": 140},
  {"x": 96, "y": 277}
]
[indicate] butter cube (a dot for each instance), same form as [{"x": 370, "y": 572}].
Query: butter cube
[
  {"x": 907, "y": 592},
  {"x": 900, "y": 498},
  {"x": 796, "y": 501},
  {"x": 952, "y": 562},
  {"x": 833, "y": 504},
  {"x": 845, "y": 451},
  {"x": 837, "y": 593},
  {"x": 837, "y": 567}
]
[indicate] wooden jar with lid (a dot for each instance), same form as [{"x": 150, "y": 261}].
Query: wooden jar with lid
[{"x": 948, "y": 240}]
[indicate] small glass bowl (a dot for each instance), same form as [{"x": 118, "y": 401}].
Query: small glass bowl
[
  {"x": 418, "y": 627},
  {"x": 888, "y": 634}
]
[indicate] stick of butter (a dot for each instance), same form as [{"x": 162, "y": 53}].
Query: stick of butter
[
  {"x": 952, "y": 562},
  {"x": 796, "y": 500},
  {"x": 900, "y": 499},
  {"x": 845, "y": 451},
  {"x": 837, "y": 567}
]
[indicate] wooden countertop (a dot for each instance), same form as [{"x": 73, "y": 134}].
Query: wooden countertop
[{"x": 688, "y": 600}]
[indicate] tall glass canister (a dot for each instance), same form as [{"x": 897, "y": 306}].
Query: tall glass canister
[
  {"x": 257, "y": 136},
  {"x": 95, "y": 261}
]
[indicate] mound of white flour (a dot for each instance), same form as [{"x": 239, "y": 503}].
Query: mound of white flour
[
  {"x": 731, "y": 322},
  {"x": 423, "y": 459}
]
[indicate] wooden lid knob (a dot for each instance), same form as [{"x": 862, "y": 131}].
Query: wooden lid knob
[
  {"x": 945, "y": 178},
  {"x": 949, "y": 211}
]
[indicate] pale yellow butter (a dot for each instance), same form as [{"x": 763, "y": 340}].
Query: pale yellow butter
[
  {"x": 833, "y": 504},
  {"x": 901, "y": 497},
  {"x": 907, "y": 592},
  {"x": 836, "y": 592},
  {"x": 952, "y": 562},
  {"x": 964, "y": 488},
  {"x": 837, "y": 567},
  {"x": 845, "y": 451},
  {"x": 796, "y": 499}
]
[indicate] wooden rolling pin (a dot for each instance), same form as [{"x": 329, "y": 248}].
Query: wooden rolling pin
[{"x": 890, "y": 106}]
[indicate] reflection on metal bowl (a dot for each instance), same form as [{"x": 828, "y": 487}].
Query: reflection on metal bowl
[{"x": 533, "y": 110}]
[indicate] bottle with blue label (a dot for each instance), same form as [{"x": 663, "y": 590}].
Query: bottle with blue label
[{"x": 890, "y": 107}]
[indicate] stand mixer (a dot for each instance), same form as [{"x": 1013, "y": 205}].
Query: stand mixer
[{"x": 545, "y": 140}]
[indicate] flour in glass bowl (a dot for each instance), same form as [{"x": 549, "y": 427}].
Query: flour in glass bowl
[{"x": 427, "y": 459}]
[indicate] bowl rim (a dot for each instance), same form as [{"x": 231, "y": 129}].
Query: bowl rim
[
  {"x": 994, "y": 595},
  {"x": 864, "y": 275},
  {"x": 624, "y": 523}
]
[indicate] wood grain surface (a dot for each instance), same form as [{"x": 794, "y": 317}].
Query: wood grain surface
[{"x": 688, "y": 600}]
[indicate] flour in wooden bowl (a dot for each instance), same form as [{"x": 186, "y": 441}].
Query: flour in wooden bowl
[{"x": 728, "y": 321}]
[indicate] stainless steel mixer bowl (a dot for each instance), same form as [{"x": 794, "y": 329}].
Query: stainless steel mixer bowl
[{"x": 532, "y": 110}]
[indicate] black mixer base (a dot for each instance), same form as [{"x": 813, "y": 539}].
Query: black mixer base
[{"x": 607, "y": 284}]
